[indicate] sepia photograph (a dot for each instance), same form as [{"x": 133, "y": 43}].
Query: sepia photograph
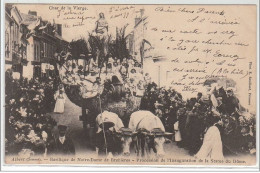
[{"x": 129, "y": 84}]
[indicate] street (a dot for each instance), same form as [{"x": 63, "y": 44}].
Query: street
[
  {"x": 70, "y": 117},
  {"x": 75, "y": 130}
]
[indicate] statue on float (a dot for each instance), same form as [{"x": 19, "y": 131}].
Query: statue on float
[{"x": 95, "y": 92}]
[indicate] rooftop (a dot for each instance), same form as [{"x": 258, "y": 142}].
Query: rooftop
[{"x": 28, "y": 18}]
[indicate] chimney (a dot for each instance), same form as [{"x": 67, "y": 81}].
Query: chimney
[
  {"x": 34, "y": 13},
  {"x": 59, "y": 29},
  {"x": 8, "y": 8},
  {"x": 142, "y": 12}
]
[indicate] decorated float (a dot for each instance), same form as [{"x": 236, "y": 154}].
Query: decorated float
[{"x": 95, "y": 74}]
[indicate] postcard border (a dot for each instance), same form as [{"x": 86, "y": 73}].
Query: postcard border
[{"x": 108, "y": 168}]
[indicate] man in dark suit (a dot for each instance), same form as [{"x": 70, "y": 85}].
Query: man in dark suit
[
  {"x": 194, "y": 130},
  {"x": 63, "y": 145},
  {"x": 232, "y": 105}
]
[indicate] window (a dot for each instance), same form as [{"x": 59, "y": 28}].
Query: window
[
  {"x": 50, "y": 50},
  {"x": 44, "y": 49},
  {"x": 7, "y": 45},
  {"x": 47, "y": 49},
  {"x": 36, "y": 51},
  {"x": 37, "y": 71},
  {"x": 24, "y": 51},
  {"x": 15, "y": 40}
]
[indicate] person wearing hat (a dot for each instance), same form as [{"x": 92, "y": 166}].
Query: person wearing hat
[
  {"x": 63, "y": 144},
  {"x": 194, "y": 130},
  {"x": 232, "y": 104},
  {"x": 107, "y": 122}
]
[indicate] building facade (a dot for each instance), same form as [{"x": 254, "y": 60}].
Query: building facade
[
  {"x": 142, "y": 49},
  {"x": 15, "y": 45},
  {"x": 8, "y": 39},
  {"x": 31, "y": 43}
]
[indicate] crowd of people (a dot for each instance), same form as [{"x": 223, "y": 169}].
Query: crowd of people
[
  {"x": 77, "y": 72},
  {"x": 190, "y": 119},
  {"x": 126, "y": 75},
  {"x": 28, "y": 101},
  {"x": 28, "y": 126}
]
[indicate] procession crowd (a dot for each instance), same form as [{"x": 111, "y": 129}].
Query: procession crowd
[
  {"x": 28, "y": 126},
  {"x": 187, "y": 119},
  {"x": 28, "y": 101}
]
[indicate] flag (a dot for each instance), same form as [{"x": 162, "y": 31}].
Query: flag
[{"x": 43, "y": 27}]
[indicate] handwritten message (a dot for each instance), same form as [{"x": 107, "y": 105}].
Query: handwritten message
[
  {"x": 196, "y": 43},
  {"x": 189, "y": 44},
  {"x": 73, "y": 15}
]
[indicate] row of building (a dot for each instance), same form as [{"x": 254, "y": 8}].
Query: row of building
[
  {"x": 140, "y": 47},
  {"x": 31, "y": 43}
]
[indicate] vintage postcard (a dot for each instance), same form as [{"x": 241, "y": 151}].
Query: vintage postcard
[{"x": 129, "y": 84}]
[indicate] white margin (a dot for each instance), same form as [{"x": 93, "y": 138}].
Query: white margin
[{"x": 116, "y": 168}]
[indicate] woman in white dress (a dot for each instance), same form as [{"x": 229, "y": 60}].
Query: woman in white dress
[
  {"x": 212, "y": 147},
  {"x": 176, "y": 128},
  {"x": 177, "y": 133},
  {"x": 60, "y": 101},
  {"x": 139, "y": 93}
]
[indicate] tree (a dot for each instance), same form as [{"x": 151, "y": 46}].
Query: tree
[
  {"x": 118, "y": 48},
  {"x": 99, "y": 49},
  {"x": 78, "y": 48}
]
